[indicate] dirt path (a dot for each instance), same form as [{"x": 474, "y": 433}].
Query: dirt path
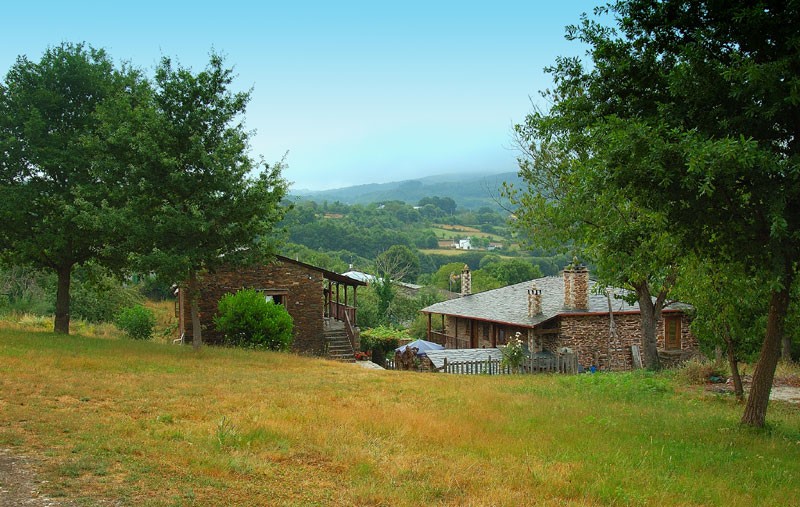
[{"x": 19, "y": 484}]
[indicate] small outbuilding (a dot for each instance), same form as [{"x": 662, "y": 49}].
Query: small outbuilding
[{"x": 322, "y": 303}]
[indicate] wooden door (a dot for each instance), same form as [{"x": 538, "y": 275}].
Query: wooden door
[{"x": 672, "y": 333}]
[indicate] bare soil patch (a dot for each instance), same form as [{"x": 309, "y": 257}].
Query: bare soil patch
[{"x": 19, "y": 482}]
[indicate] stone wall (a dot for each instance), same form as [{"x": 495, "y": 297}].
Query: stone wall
[
  {"x": 588, "y": 336},
  {"x": 299, "y": 286}
]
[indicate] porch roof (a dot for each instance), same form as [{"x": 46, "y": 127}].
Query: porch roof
[{"x": 328, "y": 275}]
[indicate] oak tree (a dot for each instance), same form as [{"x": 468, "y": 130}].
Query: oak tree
[
  {"x": 205, "y": 201},
  {"x": 63, "y": 166},
  {"x": 692, "y": 110}
]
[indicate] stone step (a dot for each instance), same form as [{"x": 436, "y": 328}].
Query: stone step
[{"x": 339, "y": 347}]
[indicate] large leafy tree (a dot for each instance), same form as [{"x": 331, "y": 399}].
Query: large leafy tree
[
  {"x": 565, "y": 205},
  {"x": 204, "y": 200},
  {"x": 63, "y": 165},
  {"x": 693, "y": 109}
]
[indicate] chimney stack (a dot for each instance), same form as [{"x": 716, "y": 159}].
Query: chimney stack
[
  {"x": 576, "y": 286},
  {"x": 568, "y": 294},
  {"x": 534, "y": 300},
  {"x": 580, "y": 287},
  {"x": 466, "y": 281}
]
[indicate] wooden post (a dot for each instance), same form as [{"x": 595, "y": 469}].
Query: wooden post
[
  {"x": 355, "y": 305},
  {"x": 429, "y": 327},
  {"x": 337, "y": 302}
]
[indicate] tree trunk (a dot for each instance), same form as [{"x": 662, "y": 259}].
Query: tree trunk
[
  {"x": 733, "y": 363},
  {"x": 61, "y": 324},
  {"x": 194, "y": 296},
  {"x": 786, "y": 347},
  {"x": 650, "y": 314},
  {"x": 755, "y": 412}
]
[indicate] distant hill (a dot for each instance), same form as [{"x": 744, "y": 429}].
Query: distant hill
[{"x": 470, "y": 191}]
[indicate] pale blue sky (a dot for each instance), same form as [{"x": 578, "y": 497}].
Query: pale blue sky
[{"x": 356, "y": 92}]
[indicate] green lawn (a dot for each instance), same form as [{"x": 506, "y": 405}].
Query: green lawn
[{"x": 155, "y": 424}]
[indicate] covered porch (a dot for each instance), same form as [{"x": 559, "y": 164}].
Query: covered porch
[
  {"x": 458, "y": 332},
  {"x": 341, "y": 302}
]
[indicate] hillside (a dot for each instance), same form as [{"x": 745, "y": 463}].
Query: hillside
[{"x": 470, "y": 191}]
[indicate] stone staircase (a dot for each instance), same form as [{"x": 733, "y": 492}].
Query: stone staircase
[{"x": 337, "y": 343}]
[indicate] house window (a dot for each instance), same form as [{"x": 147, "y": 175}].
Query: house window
[
  {"x": 672, "y": 333},
  {"x": 277, "y": 296}
]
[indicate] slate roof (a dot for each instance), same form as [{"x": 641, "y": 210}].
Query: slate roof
[{"x": 509, "y": 305}]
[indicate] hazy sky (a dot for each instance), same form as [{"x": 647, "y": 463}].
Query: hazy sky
[{"x": 356, "y": 92}]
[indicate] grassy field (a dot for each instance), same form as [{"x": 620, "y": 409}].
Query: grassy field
[{"x": 144, "y": 423}]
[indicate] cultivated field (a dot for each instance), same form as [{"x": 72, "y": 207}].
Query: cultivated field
[{"x": 116, "y": 422}]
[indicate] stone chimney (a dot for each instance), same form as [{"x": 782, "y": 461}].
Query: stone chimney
[
  {"x": 580, "y": 287},
  {"x": 568, "y": 294},
  {"x": 466, "y": 281},
  {"x": 576, "y": 286},
  {"x": 534, "y": 300}
]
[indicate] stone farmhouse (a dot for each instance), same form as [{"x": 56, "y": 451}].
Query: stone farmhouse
[
  {"x": 322, "y": 303},
  {"x": 557, "y": 312}
]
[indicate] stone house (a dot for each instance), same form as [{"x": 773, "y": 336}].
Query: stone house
[
  {"x": 555, "y": 312},
  {"x": 318, "y": 300}
]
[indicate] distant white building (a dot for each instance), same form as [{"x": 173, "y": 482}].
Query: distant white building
[{"x": 464, "y": 244}]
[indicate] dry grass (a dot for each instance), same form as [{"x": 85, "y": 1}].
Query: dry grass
[
  {"x": 166, "y": 329},
  {"x": 29, "y": 322},
  {"x": 153, "y": 424}
]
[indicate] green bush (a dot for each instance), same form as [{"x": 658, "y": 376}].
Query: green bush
[
  {"x": 96, "y": 295},
  {"x": 137, "y": 322},
  {"x": 247, "y": 319},
  {"x": 381, "y": 340}
]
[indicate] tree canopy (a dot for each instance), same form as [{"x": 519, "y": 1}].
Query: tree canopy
[
  {"x": 205, "y": 200},
  {"x": 689, "y": 112},
  {"x": 63, "y": 164},
  {"x": 98, "y": 164}
]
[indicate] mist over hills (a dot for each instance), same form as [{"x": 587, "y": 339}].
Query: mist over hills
[{"x": 470, "y": 191}]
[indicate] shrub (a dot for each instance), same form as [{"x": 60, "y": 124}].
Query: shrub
[
  {"x": 380, "y": 340},
  {"x": 699, "y": 371},
  {"x": 137, "y": 322},
  {"x": 247, "y": 319}
]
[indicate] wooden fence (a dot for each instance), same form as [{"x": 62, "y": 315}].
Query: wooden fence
[{"x": 562, "y": 363}]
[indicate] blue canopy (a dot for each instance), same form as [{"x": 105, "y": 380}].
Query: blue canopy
[{"x": 422, "y": 346}]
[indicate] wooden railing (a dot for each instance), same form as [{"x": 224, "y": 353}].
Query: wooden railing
[
  {"x": 448, "y": 342},
  {"x": 340, "y": 312},
  {"x": 562, "y": 363},
  {"x": 350, "y": 329}
]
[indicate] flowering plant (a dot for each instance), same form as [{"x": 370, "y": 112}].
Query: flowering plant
[{"x": 513, "y": 353}]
